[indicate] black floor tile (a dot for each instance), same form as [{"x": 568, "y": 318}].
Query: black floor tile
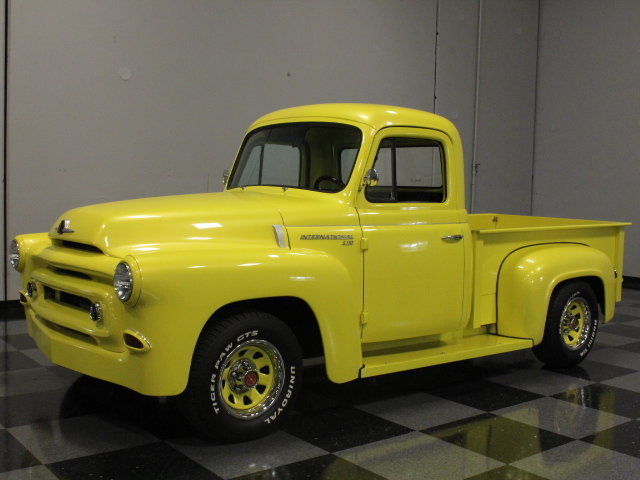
[
  {"x": 594, "y": 371},
  {"x": 386, "y": 386},
  {"x": 631, "y": 347},
  {"x": 13, "y": 455},
  {"x": 485, "y": 395},
  {"x": 159, "y": 416},
  {"x": 518, "y": 361},
  {"x": 327, "y": 467},
  {"x": 340, "y": 428},
  {"x": 21, "y": 341},
  {"x": 623, "y": 438},
  {"x": 67, "y": 376},
  {"x": 623, "y": 330},
  {"x": 310, "y": 401},
  {"x": 409, "y": 382},
  {"x": 11, "y": 311},
  {"x": 498, "y": 437},
  {"x": 29, "y": 408},
  {"x": 16, "y": 361},
  {"x": 158, "y": 461},
  {"x": 606, "y": 398},
  {"x": 507, "y": 473}
]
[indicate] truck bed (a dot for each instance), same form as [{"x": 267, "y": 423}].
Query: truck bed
[
  {"x": 491, "y": 223},
  {"x": 495, "y": 236}
]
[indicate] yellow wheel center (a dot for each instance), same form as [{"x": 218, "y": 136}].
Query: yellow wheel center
[
  {"x": 249, "y": 377},
  {"x": 575, "y": 323}
]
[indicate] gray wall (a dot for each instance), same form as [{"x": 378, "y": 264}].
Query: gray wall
[
  {"x": 457, "y": 49},
  {"x": 588, "y": 117},
  {"x": 2, "y": 159},
  {"x": 117, "y": 99},
  {"x": 506, "y": 106},
  {"x": 200, "y": 72}
]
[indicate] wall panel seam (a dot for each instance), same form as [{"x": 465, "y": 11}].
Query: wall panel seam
[
  {"x": 435, "y": 63},
  {"x": 475, "y": 113},
  {"x": 535, "y": 111},
  {"x": 4, "y": 148}
]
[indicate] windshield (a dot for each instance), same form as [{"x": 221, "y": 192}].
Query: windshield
[{"x": 313, "y": 156}]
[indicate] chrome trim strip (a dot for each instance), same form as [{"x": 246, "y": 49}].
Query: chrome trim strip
[
  {"x": 411, "y": 224},
  {"x": 137, "y": 335},
  {"x": 281, "y": 236},
  {"x": 379, "y": 225},
  {"x": 323, "y": 226}
]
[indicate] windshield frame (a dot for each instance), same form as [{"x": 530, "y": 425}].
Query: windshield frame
[{"x": 234, "y": 170}]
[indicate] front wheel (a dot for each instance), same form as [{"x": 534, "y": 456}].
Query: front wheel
[
  {"x": 572, "y": 323},
  {"x": 245, "y": 375}
]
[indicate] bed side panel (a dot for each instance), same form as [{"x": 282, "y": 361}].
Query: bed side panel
[{"x": 491, "y": 249}]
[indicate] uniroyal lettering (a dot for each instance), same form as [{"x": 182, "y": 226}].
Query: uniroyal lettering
[
  {"x": 591, "y": 338},
  {"x": 287, "y": 396}
]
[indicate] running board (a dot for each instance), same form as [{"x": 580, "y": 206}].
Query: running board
[{"x": 389, "y": 361}]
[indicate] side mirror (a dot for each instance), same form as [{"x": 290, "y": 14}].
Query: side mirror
[
  {"x": 225, "y": 176},
  {"x": 371, "y": 178}
]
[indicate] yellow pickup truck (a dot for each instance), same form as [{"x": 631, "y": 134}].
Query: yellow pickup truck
[{"x": 341, "y": 232}]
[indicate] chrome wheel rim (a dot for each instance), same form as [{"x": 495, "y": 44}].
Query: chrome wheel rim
[
  {"x": 251, "y": 379},
  {"x": 575, "y": 323}
]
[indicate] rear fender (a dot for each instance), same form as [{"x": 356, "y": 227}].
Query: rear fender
[{"x": 528, "y": 277}]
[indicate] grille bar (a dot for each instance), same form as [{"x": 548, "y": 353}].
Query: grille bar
[
  {"x": 80, "y": 246},
  {"x": 66, "y": 298},
  {"x": 69, "y": 272}
]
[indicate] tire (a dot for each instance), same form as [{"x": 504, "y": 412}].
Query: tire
[
  {"x": 571, "y": 327},
  {"x": 245, "y": 376}
]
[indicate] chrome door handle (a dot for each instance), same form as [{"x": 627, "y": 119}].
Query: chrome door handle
[{"x": 455, "y": 238}]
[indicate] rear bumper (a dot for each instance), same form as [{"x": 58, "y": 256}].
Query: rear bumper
[{"x": 137, "y": 371}]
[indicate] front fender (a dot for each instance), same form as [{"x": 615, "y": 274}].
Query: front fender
[
  {"x": 181, "y": 290},
  {"x": 528, "y": 276}
]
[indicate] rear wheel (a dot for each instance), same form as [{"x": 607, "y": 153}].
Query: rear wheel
[
  {"x": 245, "y": 375},
  {"x": 572, "y": 323}
]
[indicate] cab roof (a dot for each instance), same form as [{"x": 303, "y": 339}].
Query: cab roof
[{"x": 375, "y": 116}]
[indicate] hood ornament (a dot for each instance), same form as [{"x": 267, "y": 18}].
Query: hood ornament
[{"x": 64, "y": 227}]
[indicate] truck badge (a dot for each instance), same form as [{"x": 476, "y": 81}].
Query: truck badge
[
  {"x": 346, "y": 239},
  {"x": 64, "y": 227},
  {"x": 326, "y": 237}
]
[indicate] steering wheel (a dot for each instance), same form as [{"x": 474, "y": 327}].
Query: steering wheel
[{"x": 327, "y": 178}]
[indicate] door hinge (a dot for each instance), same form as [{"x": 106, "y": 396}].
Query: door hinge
[
  {"x": 364, "y": 243},
  {"x": 364, "y": 317}
]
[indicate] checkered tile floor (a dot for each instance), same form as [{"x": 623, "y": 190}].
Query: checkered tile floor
[{"x": 502, "y": 417}]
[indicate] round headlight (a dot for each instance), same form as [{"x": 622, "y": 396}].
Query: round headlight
[
  {"x": 14, "y": 254},
  {"x": 123, "y": 281}
]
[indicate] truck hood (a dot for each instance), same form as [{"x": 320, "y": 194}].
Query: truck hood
[
  {"x": 196, "y": 221},
  {"x": 188, "y": 221}
]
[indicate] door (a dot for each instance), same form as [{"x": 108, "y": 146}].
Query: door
[{"x": 414, "y": 262}]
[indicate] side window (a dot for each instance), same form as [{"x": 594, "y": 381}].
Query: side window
[{"x": 409, "y": 170}]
